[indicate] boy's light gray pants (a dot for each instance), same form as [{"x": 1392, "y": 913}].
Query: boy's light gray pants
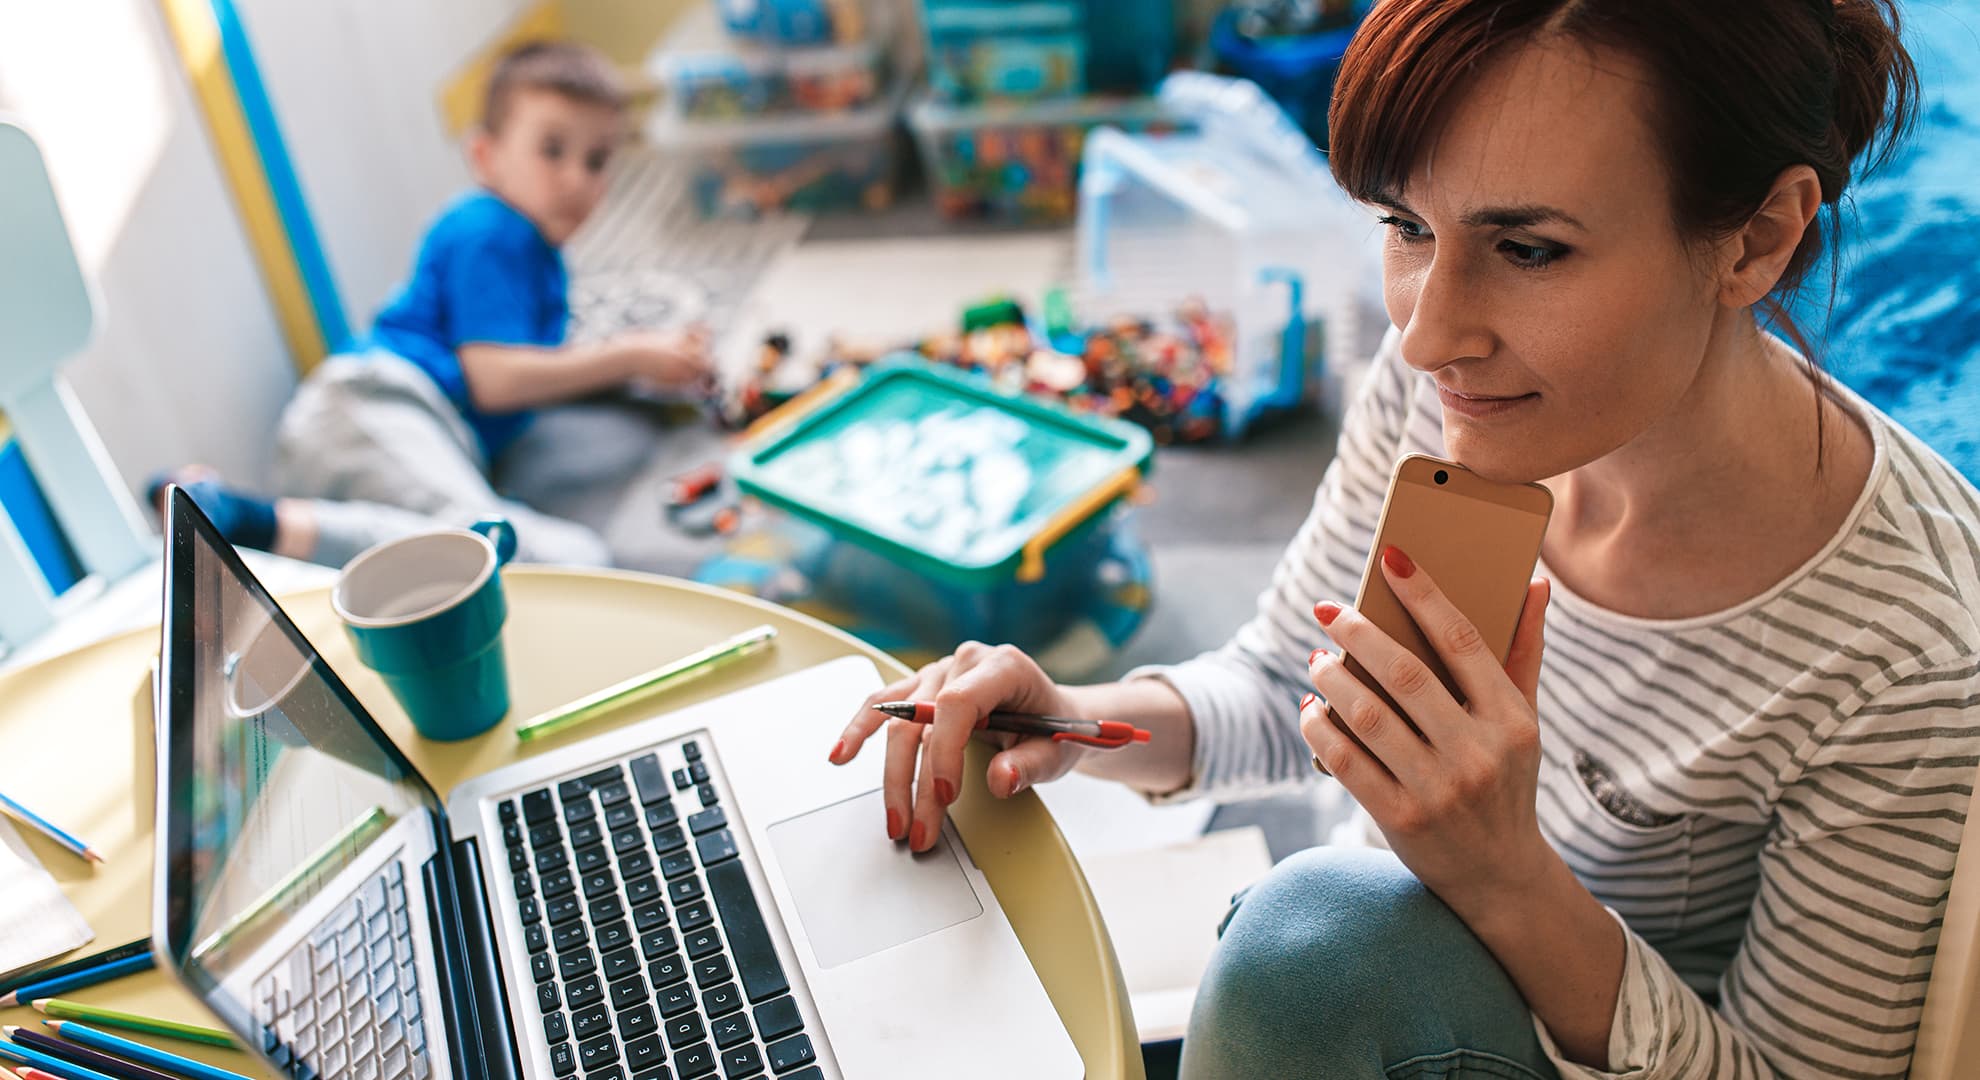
[{"x": 382, "y": 453}]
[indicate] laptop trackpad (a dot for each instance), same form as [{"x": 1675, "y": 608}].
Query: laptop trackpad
[{"x": 858, "y": 892}]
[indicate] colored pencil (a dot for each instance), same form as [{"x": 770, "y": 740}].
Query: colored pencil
[
  {"x": 8, "y": 1074},
  {"x": 53, "y": 833},
  {"x": 29, "y": 1072},
  {"x": 27, "y": 1055},
  {"x": 157, "y": 1059},
  {"x": 82, "y": 1055},
  {"x": 140, "y": 947},
  {"x": 686, "y": 669},
  {"x": 89, "y": 976},
  {"x": 75, "y": 1010}
]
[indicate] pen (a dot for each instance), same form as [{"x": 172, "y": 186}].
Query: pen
[
  {"x": 50, "y": 830},
  {"x": 1105, "y": 734},
  {"x": 687, "y": 668}
]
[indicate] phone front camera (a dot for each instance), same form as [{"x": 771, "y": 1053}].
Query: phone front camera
[{"x": 1441, "y": 476}]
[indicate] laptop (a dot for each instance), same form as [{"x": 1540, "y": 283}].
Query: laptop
[{"x": 695, "y": 895}]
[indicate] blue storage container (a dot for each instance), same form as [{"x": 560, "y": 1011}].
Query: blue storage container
[{"x": 985, "y": 50}]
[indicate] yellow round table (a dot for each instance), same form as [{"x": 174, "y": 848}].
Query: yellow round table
[{"x": 76, "y": 745}]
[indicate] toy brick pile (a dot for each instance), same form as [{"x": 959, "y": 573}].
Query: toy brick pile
[{"x": 1162, "y": 375}]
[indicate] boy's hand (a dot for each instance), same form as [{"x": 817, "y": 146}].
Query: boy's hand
[{"x": 668, "y": 359}]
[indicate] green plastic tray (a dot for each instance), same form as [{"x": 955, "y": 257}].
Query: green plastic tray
[{"x": 944, "y": 474}]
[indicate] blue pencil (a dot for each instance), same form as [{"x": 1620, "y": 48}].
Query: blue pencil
[
  {"x": 136, "y": 1051},
  {"x": 47, "y": 1063},
  {"x": 86, "y": 977},
  {"x": 50, "y": 830}
]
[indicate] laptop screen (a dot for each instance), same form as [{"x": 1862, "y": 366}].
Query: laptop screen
[{"x": 284, "y": 809}]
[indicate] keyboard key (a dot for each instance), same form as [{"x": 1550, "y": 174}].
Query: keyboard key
[
  {"x": 529, "y": 910},
  {"x": 656, "y": 942},
  {"x": 811, "y": 1073},
  {"x": 563, "y": 1060},
  {"x": 649, "y": 916},
  {"x": 675, "y": 1000},
  {"x": 506, "y": 811},
  {"x": 649, "y": 779},
  {"x": 662, "y": 814},
  {"x": 582, "y": 810},
  {"x": 668, "y": 839},
  {"x": 710, "y": 971},
  {"x": 634, "y": 1023},
  {"x": 546, "y": 998},
  {"x": 673, "y": 866},
  {"x": 716, "y": 846},
  {"x": 572, "y": 790},
  {"x": 681, "y": 781},
  {"x": 609, "y": 1072},
  {"x": 606, "y": 908},
  {"x": 730, "y": 1030},
  {"x": 534, "y": 938},
  {"x": 741, "y": 1061},
  {"x": 621, "y": 814},
  {"x": 620, "y": 964},
  {"x": 598, "y": 883},
  {"x": 586, "y": 834},
  {"x": 641, "y": 889},
  {"x": 586, "y": 991},
  {"x": 541, "y": 836},
  {"x": 612, "y": 935},
  {"x": 707, "y": 820},
  {"x": 563, "y": 908},
  {"x": 598, "y": 1052},
  {"x": 646, "y": 1052},
  {"x": 724, "y": 998},
  {"x": 592, "y": 858},
  {"x": 672, "y": 967},
  {"x": 706, "y": 792},
  {"x": 628, "y": 992},
  {"x": 702, "y": 942},
  {"x": 693, "y": 914},
  {"x": 518, "y": 859},
  {"x": 555, "y": 1028},
  {"x": 687, "y": 888},
  {"x": 691, "y": 750},
  {"x": 524, "y": 886},
  {"x": 590, "y": 1021},
  {"x": 541, "y": 967},
  {"x": 613, "y": 793},
  {"x": 684, "y": 1029},
  {"x": 696, "y": 1060},
  {"x": 635, "y": 863},
  {"x": 559, "y": 883},
  {"x": 778, "y": 1018},
  {"x": 551, "y": 859},
  {"x": 512, "y": 834},
  {"x": 602, "y": 776},
  {"x": 698, "y": 772},
  {"x": 538, "y": 807},
  {"x": 791, "y": 1053},
  {"x": 569, "y": 936},
  {"x": 627, "y": 840},
  {"x": 756, "y": 956},
  {"x": 575, "y": 963}
]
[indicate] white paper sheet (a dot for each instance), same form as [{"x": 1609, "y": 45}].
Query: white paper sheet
[{"x": 36, "y": 921}]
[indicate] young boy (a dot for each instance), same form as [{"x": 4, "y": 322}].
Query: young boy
[{"x": 400, "y": 438}]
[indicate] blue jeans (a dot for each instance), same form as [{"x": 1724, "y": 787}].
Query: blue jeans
[{"x": 1340, "y": 965}]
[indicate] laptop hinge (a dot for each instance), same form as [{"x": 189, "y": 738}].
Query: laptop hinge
[{"x": 479, "y": 1037}]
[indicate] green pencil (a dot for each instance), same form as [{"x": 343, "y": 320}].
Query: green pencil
[
  {"x": 76, "y": 1010},
  {"x": 687, "y": 668}
]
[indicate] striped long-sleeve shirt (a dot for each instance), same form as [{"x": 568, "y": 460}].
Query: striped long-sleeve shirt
[{"x": 1769, "y": 798}]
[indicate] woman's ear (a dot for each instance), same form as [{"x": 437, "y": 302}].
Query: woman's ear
[{"x": 1760, "y": 250}]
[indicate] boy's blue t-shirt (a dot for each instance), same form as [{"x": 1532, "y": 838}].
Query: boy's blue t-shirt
[{"x": 484, "y": 275}]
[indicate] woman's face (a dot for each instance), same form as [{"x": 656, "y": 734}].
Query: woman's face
[{"x": 1533, "y": 266}]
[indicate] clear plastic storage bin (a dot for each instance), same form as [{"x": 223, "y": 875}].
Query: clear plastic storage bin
[
  {"x": 748, "y": 168},
  {"x": 709, "y": 75},
  {"x": 1019, "y": 162},
  {"x": 1241, "y": 215},
  {"x": 990, "y": 50},
  {"x": 797, "y": 22}
]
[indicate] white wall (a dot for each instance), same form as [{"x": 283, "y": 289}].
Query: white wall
[{"x": 188, "y": 364}]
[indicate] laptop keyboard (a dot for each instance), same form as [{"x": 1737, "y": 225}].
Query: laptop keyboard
[
  {"x": 346, "y": 1002},
  {"x": 648, "y": 951}
]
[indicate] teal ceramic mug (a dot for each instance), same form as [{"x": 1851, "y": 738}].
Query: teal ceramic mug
[{"x": 426, "y": 612}]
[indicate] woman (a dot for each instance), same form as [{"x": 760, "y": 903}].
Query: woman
[{"x": 1707, "y": 830}]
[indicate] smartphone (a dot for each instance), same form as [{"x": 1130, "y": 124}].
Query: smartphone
[{"x": 1478, "y": 539}]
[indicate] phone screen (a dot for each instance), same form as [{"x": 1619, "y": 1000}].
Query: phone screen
[{"x": 1478, "y": 539}]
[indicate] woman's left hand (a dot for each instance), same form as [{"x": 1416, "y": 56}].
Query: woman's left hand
[{"x": 1454, "y": 786}]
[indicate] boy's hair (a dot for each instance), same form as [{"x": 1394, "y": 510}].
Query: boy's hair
[{"x": 575, "y": 71}]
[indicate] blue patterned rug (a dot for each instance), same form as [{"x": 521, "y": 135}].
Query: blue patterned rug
[{"x": 1905, "y": 328}]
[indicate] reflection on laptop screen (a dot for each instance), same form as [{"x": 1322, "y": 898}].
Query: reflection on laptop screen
[{"x": 288, "y": 819}]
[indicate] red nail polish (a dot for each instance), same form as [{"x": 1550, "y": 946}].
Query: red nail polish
[
  {"x": 1305, "y": 701},
  {"x": 893, "y": 824},
  {"x": 945, "y": 792},
  {"x": 1397, "y": 562},
  {"x": 837, "y": 749},
  {"x": 1017, "y": 780},
  {"x": 1314, "y": 655},
  {"x": 1326, "y": 611},
  {"x": 916, "y": 835}
]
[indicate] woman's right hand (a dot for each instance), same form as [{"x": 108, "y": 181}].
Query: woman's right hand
[{"x": 925, "y": 761}]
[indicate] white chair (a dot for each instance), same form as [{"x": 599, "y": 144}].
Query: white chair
[{"x": 46, "y": 317}]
